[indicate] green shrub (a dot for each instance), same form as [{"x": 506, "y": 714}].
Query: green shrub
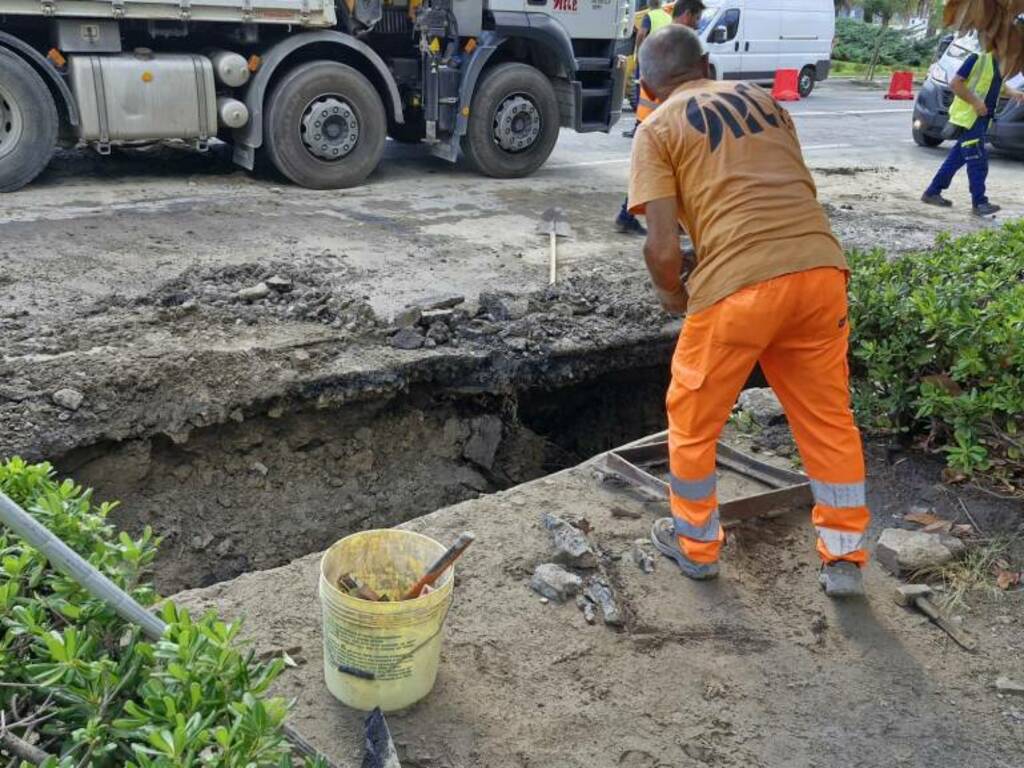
[
  {"x": 938, "y": 348},
  {"x": 855, "y": 41},
  {"x": 100, "y": 693}
]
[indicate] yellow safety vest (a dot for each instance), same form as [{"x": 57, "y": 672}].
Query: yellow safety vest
[
  {"x": 961, "y": 113},
  {"x": 659, "y": 19}
]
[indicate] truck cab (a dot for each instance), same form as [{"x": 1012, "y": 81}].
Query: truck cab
[{"x": 314, "y": 86}]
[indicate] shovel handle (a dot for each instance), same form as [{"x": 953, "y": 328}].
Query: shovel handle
[{"x": 552, "y": 275}]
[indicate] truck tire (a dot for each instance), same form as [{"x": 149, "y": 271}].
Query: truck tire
[
  {"x": 805, "y": 83},
  {"x": 513, "y": 122},
  {"x": 325, "y": 126},
  {"x": 923, "y": 139},
  {"x": 28, "y": 123}
]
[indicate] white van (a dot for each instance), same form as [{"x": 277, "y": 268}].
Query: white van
[{"x": 751, "y": 39}]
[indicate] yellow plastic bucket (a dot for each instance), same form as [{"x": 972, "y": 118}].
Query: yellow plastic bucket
[{"x": 382, "y": 654}]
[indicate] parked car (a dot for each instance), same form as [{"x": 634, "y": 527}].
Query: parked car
[
  {"x": 751, "y": 39},
  {"x": 931, "y": 110}
]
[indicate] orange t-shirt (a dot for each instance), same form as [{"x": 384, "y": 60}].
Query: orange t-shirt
[{"x": 729, "y": 155}]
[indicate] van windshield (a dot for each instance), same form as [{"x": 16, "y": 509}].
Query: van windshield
[{"x": 706, "y": 17}]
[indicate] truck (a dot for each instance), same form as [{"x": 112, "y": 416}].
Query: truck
[{"x": 314, "y": 88}]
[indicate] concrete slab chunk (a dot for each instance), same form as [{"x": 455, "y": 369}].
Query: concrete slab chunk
[
  {"x": 904, "y": 551},
  {"x": 555, "y": 583}
]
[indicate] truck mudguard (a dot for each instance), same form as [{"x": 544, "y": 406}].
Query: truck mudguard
[
  {"x": 509, "y": 24},
  {"x": 250, "y": 138},
  {"x": 45, "y": 67}
]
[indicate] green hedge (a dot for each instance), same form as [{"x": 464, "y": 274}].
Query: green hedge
[
  {"x": 938, "y": 348},
  {"x": 100, "y": 694},
  {"x": 855, "y": 41}
]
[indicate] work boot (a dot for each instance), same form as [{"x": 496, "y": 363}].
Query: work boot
[
  {"x": 841, "y": 579},
  {"x": 986, "y": 209},
  {"x": 663, "y": 536},
  {"x": 936, "y": 200},
  {"x": 628, "y": 224}
]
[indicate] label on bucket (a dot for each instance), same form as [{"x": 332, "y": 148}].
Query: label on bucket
[{"x": 386, "y": 656}]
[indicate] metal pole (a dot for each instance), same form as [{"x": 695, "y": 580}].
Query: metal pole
[{"x": 71, "y": 564}]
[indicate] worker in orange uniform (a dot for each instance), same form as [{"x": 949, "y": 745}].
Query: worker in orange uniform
[
  {"x": 687, "y": 13},
  {"x": 769, "y": 286}
]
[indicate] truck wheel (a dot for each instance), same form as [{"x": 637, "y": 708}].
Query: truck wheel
[
  {"x": 806, "y": 82},
  {"x": 28, "y": 123},
  {"x": 922, "y": 139},
  {"x": 325, "y": 126},
  {"x": 513, "y": 122}
]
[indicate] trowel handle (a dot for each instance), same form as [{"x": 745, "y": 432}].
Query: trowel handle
[{"x": 443, "y": 564}]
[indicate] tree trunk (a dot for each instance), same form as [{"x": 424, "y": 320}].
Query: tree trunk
[{"x": 878, "y": 48}]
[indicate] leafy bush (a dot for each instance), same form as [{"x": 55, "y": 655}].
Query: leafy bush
[
  {"x": 938, "y": 348},
  {"x": 855, "y": 41},
  {"x": 91, "y": 689}
]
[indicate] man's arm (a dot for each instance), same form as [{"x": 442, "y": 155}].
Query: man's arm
[
  {"x": 1015, "y": 94},
  {"x": 663, "y": 256},
  {"x": 959, "y": 87}
]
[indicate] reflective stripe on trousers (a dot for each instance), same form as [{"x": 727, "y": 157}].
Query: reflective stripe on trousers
[
  {"x": 839, "y": 496},
  {"x": 708, "y": 532}
]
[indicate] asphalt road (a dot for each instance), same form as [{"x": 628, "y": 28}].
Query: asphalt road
[{"x": 840, "y": 123}]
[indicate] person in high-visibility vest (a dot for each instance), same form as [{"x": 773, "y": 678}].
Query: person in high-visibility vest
[
  {"x": 976, "y": 85},
  {"x": 688, "y": 14}
]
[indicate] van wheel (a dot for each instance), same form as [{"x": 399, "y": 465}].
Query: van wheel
[
  {"x": 325, "y": 126},
  {"x": 806, "y": 82},
  {"x": 28, "y": 123},
  {"x": 513, "y": 122},
  {"x": 923, "y": 139}
]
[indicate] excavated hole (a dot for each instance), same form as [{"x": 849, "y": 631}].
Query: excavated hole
[{"x": 255, "y": 494}]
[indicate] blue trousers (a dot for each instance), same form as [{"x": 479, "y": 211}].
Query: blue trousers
[{"x": 969, "y": 150}]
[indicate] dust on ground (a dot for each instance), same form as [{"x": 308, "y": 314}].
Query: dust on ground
[{"x": 756, "y": 669}]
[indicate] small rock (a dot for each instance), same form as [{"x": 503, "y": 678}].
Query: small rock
[
  {"x": 429, "y": 344},
  {"x": 279, "y": 284},
  {"x": 1006, "y": 685},
  {"x": 260, "y": 468},
  {"x": 544, "y": 601},
  {"x": 254, "y": 293},
  {"x": 407, "y": 318},
  {"x": 439, "y": 302},
  {"x": 300, "y": 358},
  {"x": 762, "y": 406},
  {"x": 504, "y": 306},
  {"x": 899, "y": 550},
  {"x": 484, "y": 438},
  {"x": 224, "y": 547},
  {"x": 628, "y": 514},
  {"x": 588, "y": 613},
  {"x": 68, "y": 398},
  {"x": 643, "y": 555},
  {"x": 439, "y": 333},
  {"x": 517, "y": 344},
  {"x": 600, "y": 593},
  {"x": 571, "y": 545},
  {"x": 478, "y": 329},
  {"x": 555, "y": 583},
  {"x": 407, "y": 338}
]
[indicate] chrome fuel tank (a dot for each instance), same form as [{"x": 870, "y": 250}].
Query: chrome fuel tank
[{"x": 140, "y": 96}]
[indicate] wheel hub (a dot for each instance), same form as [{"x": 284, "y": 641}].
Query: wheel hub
[
  {"x": 329, "y": 128},
  {"x": 11, "y": 124},
  {"x": 516, "y": 124}
]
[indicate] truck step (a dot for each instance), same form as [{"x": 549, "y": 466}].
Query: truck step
[
  {"x": 592, "y": 127},
  {"x": 596, "y": 93},
  {"x": 593, "y": 64}
]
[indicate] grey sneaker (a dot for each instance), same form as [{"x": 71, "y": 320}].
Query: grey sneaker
[
  {"x": 663, "y": 536},
  {"x": 986, "y": 209},
  {"x": 936, "y": 200},
  {"x": 841, "y": 579}
]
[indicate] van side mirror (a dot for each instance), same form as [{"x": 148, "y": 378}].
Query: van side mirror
[{"x": 719, "y": 35}]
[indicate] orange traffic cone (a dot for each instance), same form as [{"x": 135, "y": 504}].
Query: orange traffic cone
[
  {"x": 901, "y": 86},
  {"x": 786, "y": 86}
]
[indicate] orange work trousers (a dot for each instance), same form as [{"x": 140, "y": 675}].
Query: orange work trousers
[{"x": 796, "y": 327}]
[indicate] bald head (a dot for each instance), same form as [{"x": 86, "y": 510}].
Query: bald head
[{"x": 670, "y": 57}]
